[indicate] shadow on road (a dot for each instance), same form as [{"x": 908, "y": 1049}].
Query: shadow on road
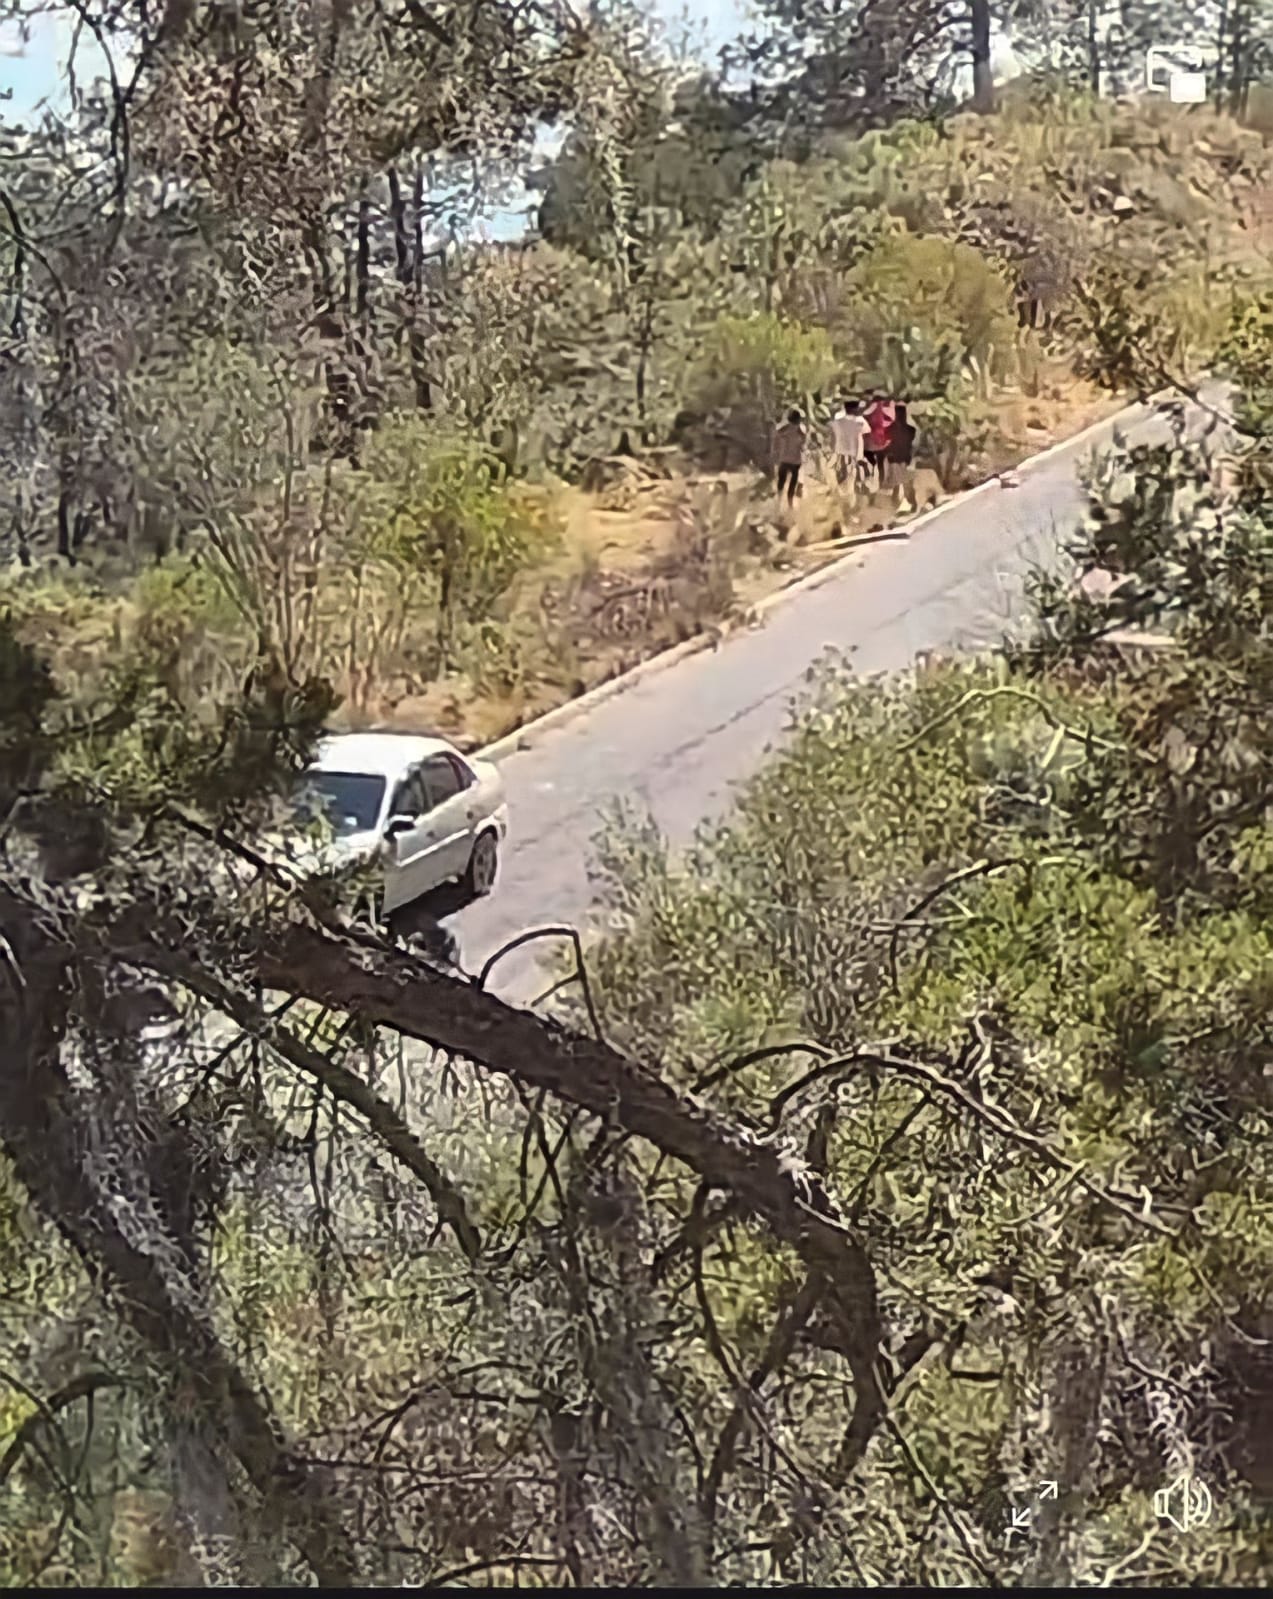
[
  {"x": 428, "y": 920},
  {"x": 434, "y": 926}
]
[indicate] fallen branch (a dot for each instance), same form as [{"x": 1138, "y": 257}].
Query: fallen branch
[
  {"x": 396, "y": 989},
  {"x": 392, "y": 989}
]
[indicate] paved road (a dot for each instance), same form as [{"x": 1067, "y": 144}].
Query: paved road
[{"x": 679, "y": 740}]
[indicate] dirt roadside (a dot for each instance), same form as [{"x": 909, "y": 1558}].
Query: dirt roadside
[{"x": 654, "y": 558}]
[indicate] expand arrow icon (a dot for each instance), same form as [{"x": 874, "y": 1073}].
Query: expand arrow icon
[
  {"x": 1020, "y": 1518},
  {"x": 1048, "y": 1490}
]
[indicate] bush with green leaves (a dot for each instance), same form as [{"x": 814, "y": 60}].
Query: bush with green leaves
[
  {"x": 437, "y": 507},
  {"x": 753, "y": 369},
  {"x": 1244, "y": 353},
  {"x": 885, "y": 170},
  {"x": 360, "y": 571},
  {"x": 919, "y": 309},
  {"x": 954, "y": 432}
]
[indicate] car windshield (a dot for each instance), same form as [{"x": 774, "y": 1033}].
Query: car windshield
[{"x": 350, "y": 801}]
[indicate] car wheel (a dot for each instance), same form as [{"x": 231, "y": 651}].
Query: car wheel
[{"x": 479, "y": 878}]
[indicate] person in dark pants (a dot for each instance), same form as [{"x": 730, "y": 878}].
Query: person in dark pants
[
  {"x": 901, "y": 451},
  {"x": 789, "y": 445}
]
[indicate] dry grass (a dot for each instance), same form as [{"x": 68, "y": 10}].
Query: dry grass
[
  {"x": 651, "y": 555},
  {"x": 686, "y": 556}
]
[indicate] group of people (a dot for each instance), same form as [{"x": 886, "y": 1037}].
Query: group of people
[{"x": 871, "y": 445}]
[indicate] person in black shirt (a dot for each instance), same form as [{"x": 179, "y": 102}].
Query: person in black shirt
[{"x": 901, "y": 450}]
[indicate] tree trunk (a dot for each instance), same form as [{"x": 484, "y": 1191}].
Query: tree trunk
[
  {"x": 1239, "y": 74},
  {"x": 1075, "y": 1379},
  {"x": 330, "y": 310},
  {"x": 424, "y": 388},
  {"x": 362, "y": 305},
  {"x": 46, "y": 1130},
  {"x": 205, "y": 1509},
  {"x": 1222, "y": 39},
  {"x": 1093, "y": 51},
  {"x": 645, "y": 348},
  {"x": 408, "y": 249},
  {"x": 983, "y": 83},
  {"x": 65, "y": 541},
  {"x": 635, "y": 1427}
]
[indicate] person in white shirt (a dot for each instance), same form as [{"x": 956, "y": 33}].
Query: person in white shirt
[{"x": 848, "y": 442}]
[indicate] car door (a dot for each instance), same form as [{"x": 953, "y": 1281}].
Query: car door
[
  {"x": 408, "y": 869},
  {"x": 451, "y": 829}
]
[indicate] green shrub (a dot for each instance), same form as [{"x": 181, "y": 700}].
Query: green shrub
[
  {"x": 1195, "y": 305},
  {"x": 1244, "y": 355},
  {"x": 438, "y": 506},
  {"x": 883, "y": 172},
  {"x": 753, "y": 369},
  {"x": 953, "y": 431},
  {"x": 920, "y": 308},
  {"x": 182, "y": 624}
]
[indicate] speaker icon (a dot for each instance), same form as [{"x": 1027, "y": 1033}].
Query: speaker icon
[{"x": 1185, "y": 1503}]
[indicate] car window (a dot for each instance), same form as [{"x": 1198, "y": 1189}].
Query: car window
[
  {"x": 441, "y": 780},
  {"x": 465, "y": 775},
  {"x": 349, "y": 800},
  {"x": 409, "y": 797}
]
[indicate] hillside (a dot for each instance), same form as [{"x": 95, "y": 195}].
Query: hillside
[
  {"x": 839, "y": 1151},
  {"x": 624, "y": 504}
]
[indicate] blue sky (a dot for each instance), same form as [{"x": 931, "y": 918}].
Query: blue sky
[
  {"x": 31, "y": 70},
  {"x": 716, "y": 20}
]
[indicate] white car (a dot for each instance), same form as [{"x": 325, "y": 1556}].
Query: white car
[{"x": 437, "y": 816}]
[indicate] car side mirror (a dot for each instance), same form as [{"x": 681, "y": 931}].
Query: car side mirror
[{"x": 397, "y": 825}]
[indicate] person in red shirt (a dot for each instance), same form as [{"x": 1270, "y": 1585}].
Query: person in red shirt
[{"x": 879, "y": 437}]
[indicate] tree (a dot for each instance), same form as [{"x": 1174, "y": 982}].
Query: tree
[
  {"x": 1103, "y": 43},
  {"x": 952, "y": 1176},
  {"x": 1244, "y": 49},
  {"x": 867, "y": 64},
  {"x": 871, "y": 62},
  {"x": 250, "y": 178},
  {"x": 694, "y": 147}
]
